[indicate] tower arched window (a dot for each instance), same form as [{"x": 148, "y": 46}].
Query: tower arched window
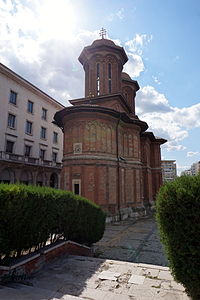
[
  {"x": 109, "y": 78},
  {"x": 98, "y": 79}
]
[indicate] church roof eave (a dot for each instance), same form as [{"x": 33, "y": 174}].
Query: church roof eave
[
  {"x": 105, "y": 97},
  {"x": 132, "y": 81},
  {"x": 95, "y": 108},
  {"x": 153, "y": 138}
]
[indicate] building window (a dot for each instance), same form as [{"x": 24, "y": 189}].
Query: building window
[
  {"x": 55, "y": 137},
  {"x": 109, "y": 78},
  {"x": 27, "y": 151},
  {"x": 29, "y": 127},
  {"x": 54, "y": 156},
  {"x": 13, "y": 97},
  {"x": 11, "y": 120},
  {"x": 9, "y": 146},
  {"x": 76, "y": 186},
  {"x": 30, "y": 106},
  {"x": 43, "y": 133},
  {"x": 44, "y": 114},
  {"x": 42, "y": 154},
  {"x": 98, "y": 79}
]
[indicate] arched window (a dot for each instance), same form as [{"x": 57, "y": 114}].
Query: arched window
[
  {"x": 98, "y": 79},
  {"x": 26, "y": 177},
  {"x": 39, "y": 180},
  {"x": 7, "y": 176},
  {"x": 109, "y": 78}
]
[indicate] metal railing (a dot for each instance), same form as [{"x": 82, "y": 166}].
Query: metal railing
[{"x": 28, "y": 160}]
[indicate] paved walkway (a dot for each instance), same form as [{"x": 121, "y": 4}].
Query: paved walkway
[
  {"x": 133, "y": 242},
  {"x": 77, "y": 277},
  {"x": 118, "y": 278}
]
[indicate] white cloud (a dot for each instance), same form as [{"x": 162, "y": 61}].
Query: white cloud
[
  {"x": 150, "y": 101},
  {"x": 120, "y": 14},
  {"x": 190, "y": 153},
  {"x": 134, "y": 66},
  {"x": 48, "y": 61},
  {"x": 49, "y": 57},
  {"x": 164, "y": 120},
  {"x": 189, "y": 116},
  {"x": 156, "y": 80},
  {"x": 134, "y": 48},
  {"x": 138, "y": 42},
  {"x": 182, "y": 167},
  {"x": 171, "y": 147}
]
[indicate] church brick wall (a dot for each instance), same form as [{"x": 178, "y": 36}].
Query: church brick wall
[{"x": 97, "y": 166}]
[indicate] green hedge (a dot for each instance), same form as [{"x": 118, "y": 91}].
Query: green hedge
[
  {"x": 31, "y": 215},
  {"x": 178, "y": 216}
]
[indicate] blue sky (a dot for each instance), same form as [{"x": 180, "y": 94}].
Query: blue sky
[{"x": 42, "y": 39}]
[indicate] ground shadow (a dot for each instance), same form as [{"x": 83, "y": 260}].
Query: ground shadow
[
  {"x": 69, "y": 275},
  {"x": 132, "y": 241}
]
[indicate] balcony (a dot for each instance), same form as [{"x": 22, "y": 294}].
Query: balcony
[{"x": 4, "y": 156}]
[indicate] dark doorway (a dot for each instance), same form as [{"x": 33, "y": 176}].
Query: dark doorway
[
  {"x": 77, "y": 189},
  {"x": 54, "y": 181}
]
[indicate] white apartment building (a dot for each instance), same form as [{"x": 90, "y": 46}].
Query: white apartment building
[
  {"x": 169, "y": 172},
  {"x": 186, "y": 172},
  {"x": 195, "y": 168},
  {"x": 193, "y": 171},
  {"x": 31, "y": 146}
]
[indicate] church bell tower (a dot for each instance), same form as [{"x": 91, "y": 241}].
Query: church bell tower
[{"x": 103, "y": 63}]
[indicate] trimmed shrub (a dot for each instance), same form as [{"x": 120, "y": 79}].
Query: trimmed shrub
[
  {"x": 178, "y": 217},
  {"x": 79, "y": 219},
  {"x": 32, "y": 215}
]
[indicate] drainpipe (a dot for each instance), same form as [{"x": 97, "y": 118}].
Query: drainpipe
[{"x": 118, "y": 167}]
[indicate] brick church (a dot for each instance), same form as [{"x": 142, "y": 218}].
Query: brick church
[{"x": 109, "y": 157}]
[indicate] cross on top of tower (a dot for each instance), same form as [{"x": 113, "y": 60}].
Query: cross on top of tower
[{"x": 102, "y": 33}]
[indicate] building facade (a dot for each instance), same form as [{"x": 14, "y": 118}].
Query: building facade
[
  {"x": 169, "y": 172},
  {"x": 31, "y": 145},
  {"x": 109, "y": 157},
  {"x": 195, "y": 168},
  {"x": 193, "y": 171}
]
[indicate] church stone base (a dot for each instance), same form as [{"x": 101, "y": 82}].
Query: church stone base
[{"x": 133, "y": 213}]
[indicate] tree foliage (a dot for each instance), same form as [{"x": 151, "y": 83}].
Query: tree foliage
[{"x": 178, "y": 216}]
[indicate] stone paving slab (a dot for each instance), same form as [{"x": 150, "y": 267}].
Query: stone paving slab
[
  {"x": 105, "y": 275},
  {"x": 136, "y": 279},
  {"x": 102, "y": 279}
]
